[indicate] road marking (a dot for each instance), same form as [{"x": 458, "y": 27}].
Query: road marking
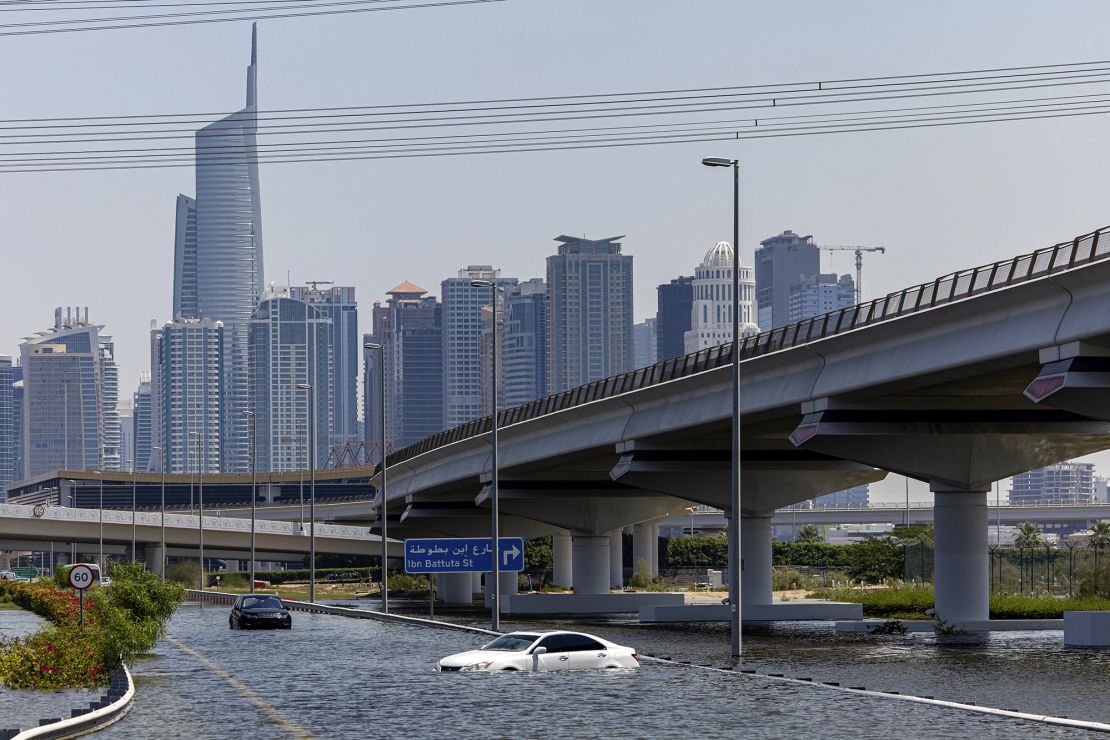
[{"x": 269, "y": 710}]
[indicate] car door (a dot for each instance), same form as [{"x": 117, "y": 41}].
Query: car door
[
  {"x": 556, "y": 658},
  {"x": 585, "y": 653}
]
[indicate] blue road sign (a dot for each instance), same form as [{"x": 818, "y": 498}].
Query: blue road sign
[{"x": 462, "y": 555}]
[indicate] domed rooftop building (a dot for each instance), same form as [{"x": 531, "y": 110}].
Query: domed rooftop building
[{"x": 711, "y": 311}]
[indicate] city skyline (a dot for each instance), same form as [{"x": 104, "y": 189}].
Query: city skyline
[{"x": 663, "y": 201}]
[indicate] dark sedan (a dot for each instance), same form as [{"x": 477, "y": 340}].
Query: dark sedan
[{"x": 259, "y": 611}]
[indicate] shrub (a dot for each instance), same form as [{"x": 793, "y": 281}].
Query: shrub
[
  {"x": 120, "y": 622},
  {"x": 696, "y": 552}
]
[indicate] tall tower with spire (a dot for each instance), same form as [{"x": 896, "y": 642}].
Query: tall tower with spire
[{"x": 218, "y": 267}]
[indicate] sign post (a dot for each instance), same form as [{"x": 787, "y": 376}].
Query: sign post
[
  {"x": 463, "y": 555},
  {"x": 81, "y": 577}
]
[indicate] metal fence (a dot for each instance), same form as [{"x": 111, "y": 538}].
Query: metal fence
[{"x": 949, "y": 288}]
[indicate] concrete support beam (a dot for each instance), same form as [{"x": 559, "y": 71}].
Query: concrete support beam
[
  {"x": 153, "y": 557},
  {"x": 591, "y": 564},
  {"x": 962, "y": 570},
  {"x": 561, "y": 560},
  {"x": 641, "y": 549},
  {"x": 654, "y": 550},
  {"x": 456, "y": 589},
  {"x": 616, "y": 559},
  {"x": 755, "y": 574}
]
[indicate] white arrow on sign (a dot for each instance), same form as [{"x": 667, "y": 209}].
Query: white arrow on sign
[{"x": 505, "y": 554}]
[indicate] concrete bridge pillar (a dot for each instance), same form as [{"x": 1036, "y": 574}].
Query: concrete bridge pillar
[
  {"x": 475, "y": 584},
  {"x": 456, "y": 588},
  {"x": 561, "y": 560},
  {"x": 962, "y": 571},
  {"x": 616, "y": 559},
  {"x": 152, "y": 555},
  {"x": 654, "y": 550},
  {"x": 642, "y": 549},
  {"x": 755, "y": 574},
  {"x": 591, "y": 564}
]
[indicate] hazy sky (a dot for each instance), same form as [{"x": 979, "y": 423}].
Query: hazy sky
[{"x": 939, "y": 199}]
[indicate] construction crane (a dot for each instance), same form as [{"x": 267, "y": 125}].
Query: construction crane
[{"x": 859, "y": 264}]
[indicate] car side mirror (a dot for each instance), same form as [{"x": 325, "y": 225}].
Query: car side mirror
[{"x": 539, "y": 651}]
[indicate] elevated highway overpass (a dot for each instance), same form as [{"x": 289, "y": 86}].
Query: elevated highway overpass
[
  {"x": 961, "y": 381},
  {"x": 31, "y": 527}
]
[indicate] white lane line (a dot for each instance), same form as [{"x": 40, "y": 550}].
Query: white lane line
[{"x": 269, "y": 710}]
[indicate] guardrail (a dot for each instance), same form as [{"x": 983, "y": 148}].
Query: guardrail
[
  {"x": 955, "y": 286},
  {"x": 110, "y": 708}
]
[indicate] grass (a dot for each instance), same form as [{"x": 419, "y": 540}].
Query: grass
[{"x": 907, "y": 602}]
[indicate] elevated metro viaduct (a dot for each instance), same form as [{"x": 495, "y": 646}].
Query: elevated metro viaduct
[{"x": 959, "y": 382}]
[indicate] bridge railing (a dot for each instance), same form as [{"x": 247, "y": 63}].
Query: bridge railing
[{"x": 948, "y": 288}]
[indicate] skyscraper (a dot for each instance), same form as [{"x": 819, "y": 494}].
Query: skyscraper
[
  {"x": 127, "y": 434},
  {"x": 410, "y": 327},
  {"x": 462, "y": 330},
  {"x": 218, "y": 253},
  {"x": 589, "y": 287},
  {"x": 782, "y": 261},
  {"x": 525, "y": 344},
  {"x": 190, "y": 353},
  {"x": 339, "y": 305},
  {"x": 820, "y": 294},
  {"x": 711, "y": 311},
  {"x": 7, "y": 424},
  {"x": 17, "y": 421},
  {"x": 141, "y": 422},
  {"x": 290, "y": 344},
  {"x": 185, "y": 259},
  {"x": 644, "y": 343},
  {"x": 672, "y": 318},
  {"x": 66, "y": 396}
]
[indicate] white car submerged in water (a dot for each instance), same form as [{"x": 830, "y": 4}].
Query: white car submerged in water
[{"x": 543, "y": 650}]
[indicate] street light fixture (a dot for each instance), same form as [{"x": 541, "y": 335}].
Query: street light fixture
[
  {"x": 254, "y": 483},
  {"x": 162, "y": 464},
  {"x": 734, "y": 538},
  {"x": 311, "y": 489},
  {"x": 382, "y": 507},
  {"x": 495, "y": 524}
]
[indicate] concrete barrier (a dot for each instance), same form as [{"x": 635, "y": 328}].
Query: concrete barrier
[
  {"x": 99, "y": 715},
  {"x": 1087, "y": 629}
]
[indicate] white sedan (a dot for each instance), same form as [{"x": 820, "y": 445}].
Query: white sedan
[{"x": 543, "y": 651}]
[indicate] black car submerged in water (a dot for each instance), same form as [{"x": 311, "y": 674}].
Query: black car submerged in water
[{"x": 259, "y": 611}]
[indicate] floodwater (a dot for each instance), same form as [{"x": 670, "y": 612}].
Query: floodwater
[{"x": 337, "y": 677}]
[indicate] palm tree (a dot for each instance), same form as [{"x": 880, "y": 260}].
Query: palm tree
[
  {"x": 1027, "y": 536},
  {"x": 1100, "y": 538},
  {"x": 809, "y": 533}
]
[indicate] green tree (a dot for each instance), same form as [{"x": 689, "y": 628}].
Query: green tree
[
  {"x": 1028, "y": 536},
  {"x": 809, "y": 533},
  {"x": 875, "y": 559},
  {"x": 537, "y": 556}
]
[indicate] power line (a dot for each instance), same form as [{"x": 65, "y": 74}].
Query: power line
[
  {"x": 767, "y": 89},
  {"x": 499, "y": 148},
  {"x": 499, "y": 117},
  {"x": 253, "y": 16}
]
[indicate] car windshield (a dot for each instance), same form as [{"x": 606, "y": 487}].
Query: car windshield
[
  {"x": 511, "y": 642},
  {"x": 262, "y": 602}
]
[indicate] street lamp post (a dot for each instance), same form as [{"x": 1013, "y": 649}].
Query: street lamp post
[
  {"x": 254, "y": 484},
  {"x": 735, "y": 562},
  {"x": 311, "y": 489},
  {"x": 134, "y": 498},
  {"x": 100, "y": 562},
  {"x": 382, "y": 507},
  {"x": 162, "y": 464},
  {"x": 495, "y": 522},
  {"x": 200, "y": 510}
]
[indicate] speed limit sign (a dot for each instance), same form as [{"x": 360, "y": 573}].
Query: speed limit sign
[{"x": 80, "y": 577}]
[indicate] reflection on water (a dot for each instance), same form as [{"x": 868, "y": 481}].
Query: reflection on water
[{"x": 347, "y": 678}]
